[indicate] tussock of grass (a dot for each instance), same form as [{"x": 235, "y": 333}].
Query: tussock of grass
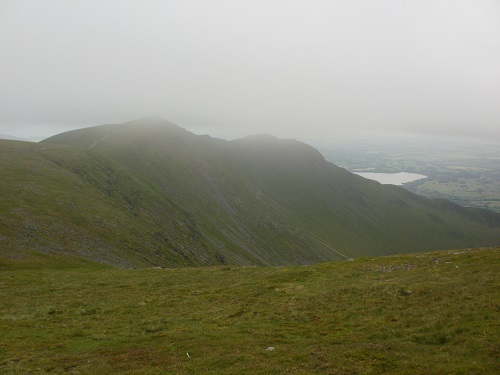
[{"x": 415, "y": 314}]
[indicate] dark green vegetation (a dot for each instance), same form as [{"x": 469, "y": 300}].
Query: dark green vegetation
[
  {"x": 149, "y": 193},
  {"x": 426, "y": 313},
  {"x": 465, "y": 172}
]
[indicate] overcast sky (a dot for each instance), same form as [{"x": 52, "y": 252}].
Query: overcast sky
[{"x": 291, "y": 68}]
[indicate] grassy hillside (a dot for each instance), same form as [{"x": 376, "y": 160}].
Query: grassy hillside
[
  {"x": 62, "y": 199},
  {"x": 149, "y": 193},
  {"x": 408, "y": 314}
]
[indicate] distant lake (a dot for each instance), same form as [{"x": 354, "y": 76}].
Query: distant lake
[{"x": 399, "y": 178}]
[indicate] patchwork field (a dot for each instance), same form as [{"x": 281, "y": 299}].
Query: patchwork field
[{"x": 466, "y": 172}]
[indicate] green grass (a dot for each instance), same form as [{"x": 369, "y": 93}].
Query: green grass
[
  {"x": 415, "y": 314},
  {"x": 58, "y": 199}
]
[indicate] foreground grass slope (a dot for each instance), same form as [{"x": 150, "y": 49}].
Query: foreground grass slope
[{"x": 416, "y": 314}]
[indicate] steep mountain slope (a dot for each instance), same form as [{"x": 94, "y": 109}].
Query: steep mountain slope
[
  {"x": 60, "y": 199},
  {"x": 150, "y": 192}
]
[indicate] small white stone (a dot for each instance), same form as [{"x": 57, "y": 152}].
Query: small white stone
[{"x": 271, "y": 348}]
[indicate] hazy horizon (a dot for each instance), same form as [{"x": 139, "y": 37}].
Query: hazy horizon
[
  {"x": 296, "y": 69},
  {"x": 377, "y": 139}
]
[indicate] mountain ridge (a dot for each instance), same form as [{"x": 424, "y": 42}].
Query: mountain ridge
[{"x": 171, "y": 197}]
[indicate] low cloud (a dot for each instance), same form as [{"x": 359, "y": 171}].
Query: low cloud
[{"x": 316, "y": 68}]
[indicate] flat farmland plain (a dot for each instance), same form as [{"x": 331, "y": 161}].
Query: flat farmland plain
[{"x": 466, "y": 172}]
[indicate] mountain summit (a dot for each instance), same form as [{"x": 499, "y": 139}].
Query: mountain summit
[{"x": 148, "y": 192}]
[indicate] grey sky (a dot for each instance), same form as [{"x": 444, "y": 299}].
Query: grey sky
[{"x": 292, "y": 68}]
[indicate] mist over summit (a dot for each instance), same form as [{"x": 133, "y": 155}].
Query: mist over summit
[{"x": 149, "y": 192}]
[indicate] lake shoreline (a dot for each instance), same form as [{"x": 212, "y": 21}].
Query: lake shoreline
[{"x": 398, "y": 178}]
